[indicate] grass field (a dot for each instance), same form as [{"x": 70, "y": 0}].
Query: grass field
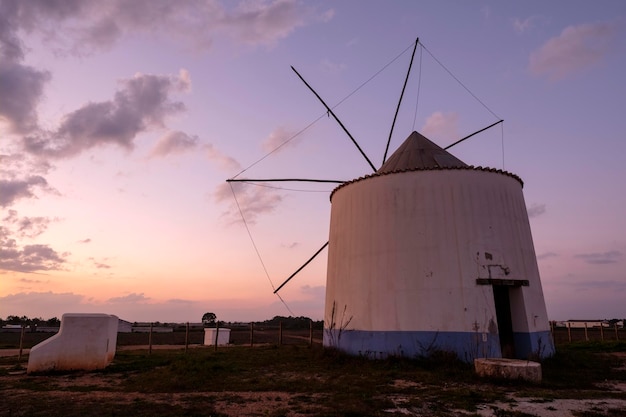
[{"x": 302, "y": 380}]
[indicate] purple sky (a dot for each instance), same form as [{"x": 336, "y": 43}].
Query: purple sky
[{"x": 121, "y": 120}]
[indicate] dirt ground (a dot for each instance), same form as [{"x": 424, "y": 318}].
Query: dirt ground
[{"x": 91, "y": 390}]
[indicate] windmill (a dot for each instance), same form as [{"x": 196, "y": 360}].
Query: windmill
[{"x": 430, "y": 253}]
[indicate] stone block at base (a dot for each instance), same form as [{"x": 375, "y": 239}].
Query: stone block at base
[
  {"x": 212, "y": 335},
  {"x": 508, "y": 369}
]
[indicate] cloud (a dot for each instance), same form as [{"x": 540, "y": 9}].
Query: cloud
[
  {"x": 21, "y": 89},
  {"x": 174, "y": 142},
  {"x": 547, "y": 255},
  {"x": 30, "y": 258},
  {"x": 442, "y": 126},
  {"x": 13, "y": 190},
  {"x": 50, "y": 304},
  {"x": 252, "y": 201},
  {"x": 536, "y": 210},
  {"x": 614, "y": 286},
  {"x": 27, "y": 227},
  {"x": 280, "y": 138},
  {"x": 609, "y": 257},
  {"x": 318, "y": 291},
  {"x": 82, "y": 27},
  {"x": 45, "y": 304},
  {"x": 575, "y": 49},
  {"x": 261, "y": 22},
  {"x": 130, "y": 298},
  {"x": 88, "y": 240},
  {"x": 331, "y": 67},
  {"x": 142, "y": 103},
  {"x": 523, "y": 25},
  {"x": 224, "y": 162}
]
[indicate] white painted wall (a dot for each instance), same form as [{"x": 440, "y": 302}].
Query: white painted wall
[
  {"x": 210, "y": 334},
  {"x": 84, "y": 342},
  {"x": 406, "y": 249}
]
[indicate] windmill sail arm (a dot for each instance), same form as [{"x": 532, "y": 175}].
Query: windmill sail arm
[
  {"x": 283, "y": 180},
  {"x": 301, "y": 268},
  {"x": 475, "y": 133},
  {"x": 330, "y": 111}
]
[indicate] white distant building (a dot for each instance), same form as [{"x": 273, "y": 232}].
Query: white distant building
[{"x": 428, "y": 254}]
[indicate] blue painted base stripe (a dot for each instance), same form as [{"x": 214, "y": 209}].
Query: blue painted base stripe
[{"x": 467, "y": 345}]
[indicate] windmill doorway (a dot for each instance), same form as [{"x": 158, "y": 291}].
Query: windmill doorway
[{"x": 502, "y": 301}]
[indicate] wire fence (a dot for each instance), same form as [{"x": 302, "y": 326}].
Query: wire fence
[{"x": 586, "y": 332}]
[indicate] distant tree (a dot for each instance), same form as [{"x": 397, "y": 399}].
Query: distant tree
[
  {"x": 53, "y": 322},
  {"x": 208, "y": 319}
]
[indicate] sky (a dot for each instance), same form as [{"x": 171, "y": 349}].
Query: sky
[{"x": 120, "y": 122}]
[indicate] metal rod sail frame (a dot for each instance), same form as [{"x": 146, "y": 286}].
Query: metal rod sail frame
[
  {"x": 301, "y": 268},
  {"x": 406, "y": 80},
  {"x": 283, "y": 180},
  {"x": 475, "y": 133},
  {"x": 329, "y": 110}
]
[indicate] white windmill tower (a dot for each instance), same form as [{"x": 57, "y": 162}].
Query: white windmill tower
[{"x": 429, "y": 253}]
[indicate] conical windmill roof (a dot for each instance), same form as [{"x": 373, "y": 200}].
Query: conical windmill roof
[{"x": 417, "y": 152}]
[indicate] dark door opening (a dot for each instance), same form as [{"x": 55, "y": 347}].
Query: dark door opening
[{"x": 505, "y": 323}]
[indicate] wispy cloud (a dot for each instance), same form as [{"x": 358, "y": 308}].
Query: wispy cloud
[
  {"x": 174, "y": 142},
  {"x": 279, "y": 139},
  {"x": 224, "y": 162},
  {"x": 29, "y": 258},
  {"x": 142, "y": 103},
  {"x": 536, "y": 210},
  {"x": 12, "y": 190},
  {"x": 252, "y": 201},
  {"x": 600, "y": 258},
  {"x": 575, "y": 49},
  {"x": 524, "y": 25},
  {"x": 331, "y": 67},
  {"x": 130, "y": 298},
  {"x": 27, "y": 227},
  {"x": 441, "y": 125},
  {"x": 547, "y": 255}
]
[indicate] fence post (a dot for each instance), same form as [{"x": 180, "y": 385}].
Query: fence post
[
  {"x": 150, "y": 340},
  {"x": 616, "y": 336},
  {"x": 280, "y": 333},
  {"x": 251, "y": 334},
  {"x": 569, "y": 332},
  {"x": 586, "y": 334},
  {"x": 19, "y": 357},
  {"x": 601, "y": 331},
  {"x": 217, "y": 333},
  {"x": 310, "y": 332},
  {"x": 186, "y": 337}
]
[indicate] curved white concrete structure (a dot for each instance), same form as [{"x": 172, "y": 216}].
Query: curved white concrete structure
[
  {"x": 84, "y": 342},
  {"x": 429, "y": 253}
]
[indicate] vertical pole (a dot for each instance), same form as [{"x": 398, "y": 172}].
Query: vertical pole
[
  {"x": 187, "y": 337},
  {"x": 310, "y": 332},
  {"x": 280, "y": 333},
  {"x": 601, "y": 331},
  {"x": 251, "y": 334},
  {"x": 217, "y": 332},
  {"x": 150, "y": 340},
  {"x": 569, "y": 332},
  {"x": 586, "y": 334},
  {"x": 19, "y": 357},
  {"x": 616, "y": 336}
]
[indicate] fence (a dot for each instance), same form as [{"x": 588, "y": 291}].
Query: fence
[
  {"x": 252, "y": 334},
  {"x": 586, "y": 332}
]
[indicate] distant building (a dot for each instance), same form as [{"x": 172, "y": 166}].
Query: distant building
[
  {"x": 124, "y": 326},
  {"x": 581, "y": 324}
]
